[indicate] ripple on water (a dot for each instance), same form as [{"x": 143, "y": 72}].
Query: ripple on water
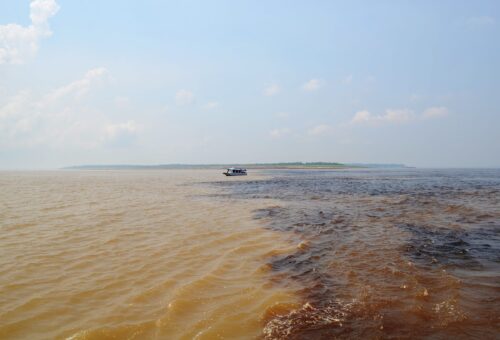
[
  {"x": 346, "y": 254},
  {"x": 384, "y": 253},
  {"x": 130, "y": 255}
]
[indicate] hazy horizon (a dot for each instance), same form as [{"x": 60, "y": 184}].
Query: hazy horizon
[
  {"x": 173, "y": 166},
  {"x": 123, "y": 82}
]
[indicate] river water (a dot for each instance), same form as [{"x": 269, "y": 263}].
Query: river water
[{"x": 183, "y": 254}]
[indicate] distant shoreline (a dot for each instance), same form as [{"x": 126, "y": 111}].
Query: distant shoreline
[{"x": 254, "y": 166}]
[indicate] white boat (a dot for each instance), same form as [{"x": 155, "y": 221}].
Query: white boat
[{"x": 235, "y": 172}]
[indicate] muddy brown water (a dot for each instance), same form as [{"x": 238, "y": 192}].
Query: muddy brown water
[{"x": 189, "y": 254}]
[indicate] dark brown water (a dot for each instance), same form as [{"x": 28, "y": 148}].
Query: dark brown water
[{"x": 383, "y": 254}]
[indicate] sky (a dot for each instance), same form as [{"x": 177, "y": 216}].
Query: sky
[{"x": 158, "y": 82}]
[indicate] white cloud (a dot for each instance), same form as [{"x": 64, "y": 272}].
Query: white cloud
[
  {"x": 272, "y": 90},
  {"x": 17, "y": 118},
  {"x": 184, "y": 97},
  {"x": 361, "y": 117},
  {"x": 390, "y": 116},
  {"x": 122, "y": 134},
  {"x": 42, "y": 10},
  {"x": 321, "y": 129},
  {"x": 397, "y": 116},
  {"x": 14, "y": 105},
  {"x": 76, "y": 89},
  {"x": 58, "y": 119},
  {"x": 435, "y": 112},
  {"x": 19, "y": 43},
  {"x": 278, "y": 133},
  {"x": 312, "y": 85},
  {"x": 480, "y": 22},
  {"x": 210, "y": 105}
]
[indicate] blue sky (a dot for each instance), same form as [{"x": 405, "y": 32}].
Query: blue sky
[{"x": 148, "y": 82}]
